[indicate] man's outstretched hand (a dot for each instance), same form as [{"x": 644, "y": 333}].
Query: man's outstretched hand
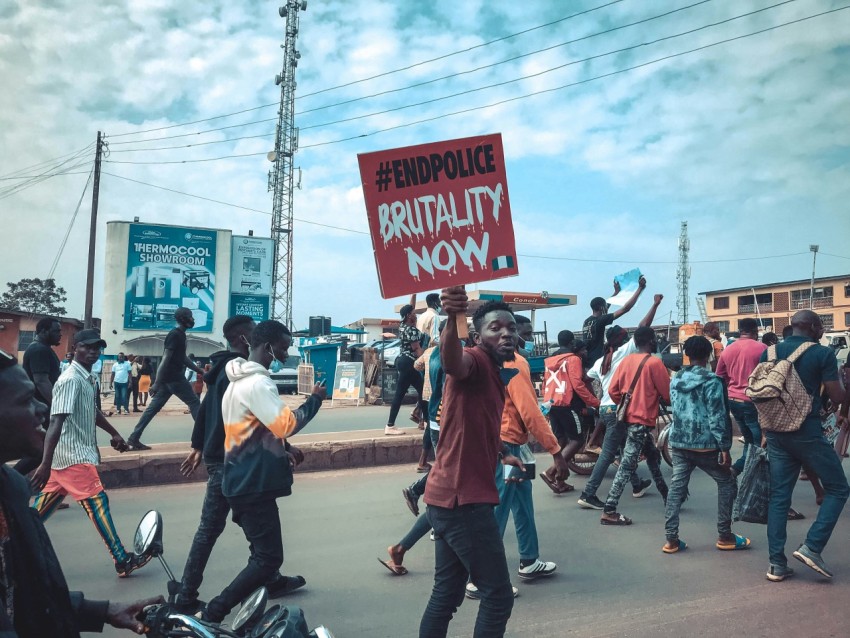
[
  {"x": 123, "y": 615},
  {"x": 454, "y": 300}
]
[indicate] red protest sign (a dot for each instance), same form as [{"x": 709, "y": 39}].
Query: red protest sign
[{"x": 439, "y": 214}]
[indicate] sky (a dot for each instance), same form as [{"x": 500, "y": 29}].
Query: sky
[{"x": 748, "y": 141}]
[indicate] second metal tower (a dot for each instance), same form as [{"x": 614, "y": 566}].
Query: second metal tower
[
  {"x": 683, "y": 274},
  {"x": 280, "y": 178}
]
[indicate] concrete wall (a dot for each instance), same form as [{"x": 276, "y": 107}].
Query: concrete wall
[{"x": 115, "y": 276}]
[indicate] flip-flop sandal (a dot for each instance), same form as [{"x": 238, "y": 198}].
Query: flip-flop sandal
[
  {"x": 680, "y": 547},
  {"x": 794, "y": 515},
  {"x": 424, "y": 469},
  {"x": 398, "y": 570},
  {"x": 620, "y": 520},
  {"x": 741, "y": 542},
  {"x": 563, "y": 488},
  {"x": 550, "y": 482}
]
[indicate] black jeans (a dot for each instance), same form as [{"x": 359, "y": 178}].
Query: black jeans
[
  {"x": 407, "y": 376},
  {"x": 468, "y": 546},
  {"x": 134, "y": 388},
  {"x": 183, "y": 391},
  {"x": 261, "y": 524}
]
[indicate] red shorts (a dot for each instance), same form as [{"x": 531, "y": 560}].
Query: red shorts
[{"x": 78, "y": 481}]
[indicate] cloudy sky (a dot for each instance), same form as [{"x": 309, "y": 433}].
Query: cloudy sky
[{"x": 748, "y": 140}]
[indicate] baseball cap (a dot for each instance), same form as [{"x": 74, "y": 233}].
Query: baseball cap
[{"x": 89, "y": 337}]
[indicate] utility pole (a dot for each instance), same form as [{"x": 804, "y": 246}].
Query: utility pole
[
  {"x": 683, "y": 274},
  {"x": 280, "y": 178},
  {"x": 814, "y": 248},
  {"x": 93, "y": 232}
]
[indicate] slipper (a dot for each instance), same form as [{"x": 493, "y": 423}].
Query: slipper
[
  {"x": 740, "y": 542},
  {"x": 423, "y": 469},
  {"x": 554, "y": 486},
  {"x": 398, "y": 570},
  {"x": 620, "y": 520},
  {"x": 682, "y": 546},
  {"x": 794, "y": 515}
]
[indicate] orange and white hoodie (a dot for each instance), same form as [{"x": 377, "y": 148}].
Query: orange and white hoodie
[{"x": 256, "y": 424}]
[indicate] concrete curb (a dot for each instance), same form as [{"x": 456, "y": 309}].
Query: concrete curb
[{"x": 161, "y": 465}]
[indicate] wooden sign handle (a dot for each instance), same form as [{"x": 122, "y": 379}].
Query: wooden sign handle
[{"x": 462, "y": 330}]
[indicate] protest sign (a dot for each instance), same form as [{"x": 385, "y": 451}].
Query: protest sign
[
  {"x": 629, "y": 282},
  {"x": 439, "y": 214}
]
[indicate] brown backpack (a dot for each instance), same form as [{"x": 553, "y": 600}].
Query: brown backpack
[{"x": 780, "y": 397}]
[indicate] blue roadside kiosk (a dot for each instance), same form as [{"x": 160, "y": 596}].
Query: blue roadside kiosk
[{"x": 324, "y": 356}]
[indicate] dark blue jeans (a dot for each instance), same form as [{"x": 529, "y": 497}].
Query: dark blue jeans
[
  {"x": 615, "y": 437},
  {"x": 747, "y": 417},
  {"x": 181, "y": 389},
  {"x": 421, "y": 526},
  {"x": 468, "y": 546},
  {"x": 261, "y": 524},
  {"x": 122, "y": 395},
  {"x": 788, "y": 452},
  {"x": 684, "y": 463},
  {"x": 516, "y": 499}
]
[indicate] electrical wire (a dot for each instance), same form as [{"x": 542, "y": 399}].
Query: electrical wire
[
  {"x": 12, "y": 190},
  {"x": 70, "y": 226},
  {"x": 38, "y": 166},
  {"x": 384, "y": 74},
  {"x": 218, "y": 201},
  {"x": 518, "y": 97},
  {"x": 642, "y": 261},
  {"x": 831, "y": 255}
]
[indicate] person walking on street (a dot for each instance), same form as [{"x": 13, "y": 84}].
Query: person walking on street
[
  {"x": 170, "y": 378},
  {"x": 594, "y": 326},
  {"x": 700, "y": 437},
  {"x": 42, "y": 367},
  {"x": 66, "y": 362},
  {"x": 789, "y": 451},
  {"x": 69, "y": 463},
  {"x": 645, "y": 380},
  {"x": 711, "y": 331},
  {"x": 461, "y": 493},
  {"x": 258, "y": 460},
  {"x": 407, "y": 375},
  {"x": 35, "y": 595},
  {"x": 135, "y": 367},
  {"x": 119, "y": 382},
  {"x": 208, "y": 444},
  {"x": 145, "y": 374},
  {"x": 618, "y": 347}
]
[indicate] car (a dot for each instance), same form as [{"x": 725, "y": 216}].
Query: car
[{"x": 286, "y": 379}]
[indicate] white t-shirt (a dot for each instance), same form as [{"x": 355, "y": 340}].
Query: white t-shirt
[
  {"x": 596, "y": 371},
  {"x": 121, "y": 370},
  {"x": 429, "y": 323}
]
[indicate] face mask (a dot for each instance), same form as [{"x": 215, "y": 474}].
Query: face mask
[
  {"x": 275, "y": 362},
  {"x": 526, "y": 348}
]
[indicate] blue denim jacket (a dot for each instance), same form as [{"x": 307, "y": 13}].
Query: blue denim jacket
[{"x": 700, "y": 411}]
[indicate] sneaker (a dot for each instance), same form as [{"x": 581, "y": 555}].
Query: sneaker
[
  {"x": 138, "y": 446},
  {"x": 645, "y": 484},
  {"x": 391, "y": 430},
  {"x": 813, "y": 560},
  {"x": 777, "y": 573},
  {"x": 131, "y": 564},
  {"x": 591, "y": 503},
  {"x": 411, "y": 500},
  {"x": 473, "y": 594},
  {"x": 432, "y": 535},
  {"x": 537, "y": 569}
]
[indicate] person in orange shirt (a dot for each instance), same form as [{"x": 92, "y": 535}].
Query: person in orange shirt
[
  {"x": 651, "y": 382},
  {"x": 522, "y": 416}
]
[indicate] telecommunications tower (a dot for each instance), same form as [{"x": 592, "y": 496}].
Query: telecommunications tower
[
  {"x": 683, "y": 274},
  {"x": 280, "y": 177}
]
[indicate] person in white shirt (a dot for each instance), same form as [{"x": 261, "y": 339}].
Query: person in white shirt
[
  {"x": 428, "y": 323},
  {"x": 618, "y": 346},
  {"x": 119, "y": 381}
]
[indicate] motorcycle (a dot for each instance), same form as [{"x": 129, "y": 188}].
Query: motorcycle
[{"x": 252, "y": 620}]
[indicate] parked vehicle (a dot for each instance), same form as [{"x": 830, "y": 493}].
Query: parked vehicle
[{"x": 286, "y": 379}]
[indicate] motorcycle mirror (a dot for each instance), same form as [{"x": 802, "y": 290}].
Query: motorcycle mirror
[
  {"x": 250, "y": 612},
  {"x": 148, "y": 538},
  {"x": 270, "y": 618},
  {"x": 322, "y": 632}
]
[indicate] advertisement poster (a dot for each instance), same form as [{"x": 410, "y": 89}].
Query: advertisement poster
[
  {"x": 169, "y": 267},
  {"x": 251, "y": 271},
  {"x": 439, "y": 214},
  {"x": 348, "y": 382}
]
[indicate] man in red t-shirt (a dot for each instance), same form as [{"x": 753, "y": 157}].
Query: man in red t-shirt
[
  {"x": 651, "y": 387},
  {"x": 461, "y": 492}
]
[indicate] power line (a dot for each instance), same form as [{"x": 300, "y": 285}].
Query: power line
[
  {"x": 406, "y": 68},
  {"x": 70, "y": 226},
  {"x": 223, "y": 203},
  {"x": 642, "y": 261},
  {"x": 526, "y": 95},
  {"x": 166, "y": 148},
  {"x": 839, "y": 256},
  {"x": 12, "y": 190},
  {"x": 38, "y": 166},
  {"x": 212, "y": 130}
]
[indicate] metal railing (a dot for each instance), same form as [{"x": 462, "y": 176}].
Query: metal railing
[
  {"x": 820, "y": 302},
  {"x": 751, "y": 308}
]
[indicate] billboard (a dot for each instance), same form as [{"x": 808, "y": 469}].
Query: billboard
[
  {"x": 251, "y": 271},
  {"x": 439, "y": 214},
  {"x": 169, "y": 267}
]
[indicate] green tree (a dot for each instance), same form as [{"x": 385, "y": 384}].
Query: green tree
[{"x": 38, "y": 296}]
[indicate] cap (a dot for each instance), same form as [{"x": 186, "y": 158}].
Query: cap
[
  {"x": 613, "y": 331},
  {"x": 89, "y": 337},
  {"x": 406, "y": 309}
]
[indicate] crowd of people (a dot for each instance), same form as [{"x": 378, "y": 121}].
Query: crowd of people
[{"x": 480, "y": 411}]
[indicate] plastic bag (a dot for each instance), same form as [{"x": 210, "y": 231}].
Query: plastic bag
[{"x": 754, "y": 489}]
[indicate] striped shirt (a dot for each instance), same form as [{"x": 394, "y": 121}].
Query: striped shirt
[{"x": 73, "y": 395}]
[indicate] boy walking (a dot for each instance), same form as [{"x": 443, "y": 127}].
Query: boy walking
[{"x": 700, "y": 437}]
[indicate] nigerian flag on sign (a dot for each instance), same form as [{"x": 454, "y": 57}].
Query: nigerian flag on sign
[{"x": 500, "y": 263}]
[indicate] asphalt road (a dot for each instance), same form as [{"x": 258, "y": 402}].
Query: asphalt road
[
  {"x": 167, "y": 428},
  {"x": 610, "y": 581}
]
